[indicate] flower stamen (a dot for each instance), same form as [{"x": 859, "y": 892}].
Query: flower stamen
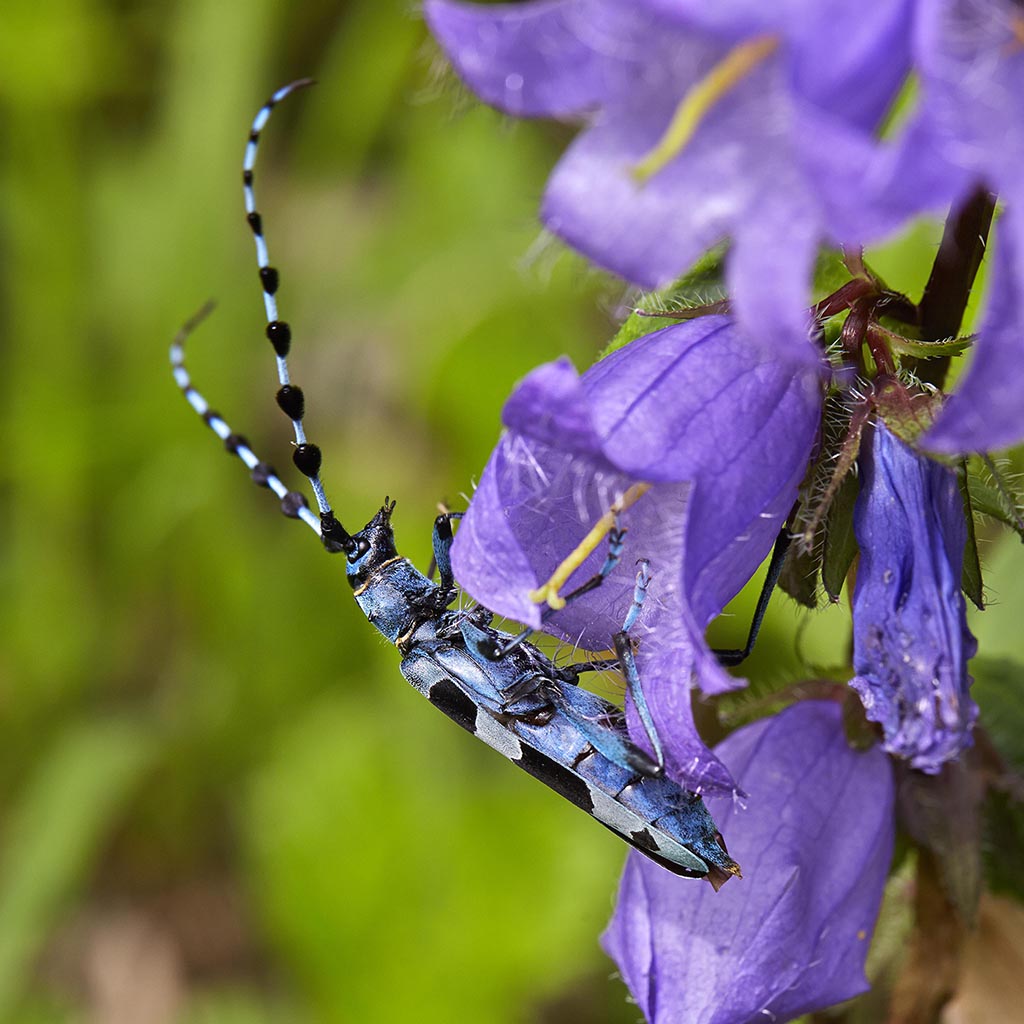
[
  {"x": 549, "y": 592},
  {"x": 699, "y": 99}
]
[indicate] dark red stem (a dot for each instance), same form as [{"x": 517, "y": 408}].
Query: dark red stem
[{"x": 949, "y": 284}]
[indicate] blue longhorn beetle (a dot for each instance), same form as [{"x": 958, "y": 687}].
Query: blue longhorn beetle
[{"x": 497, "y": 686}]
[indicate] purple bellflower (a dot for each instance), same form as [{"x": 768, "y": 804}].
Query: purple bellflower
[
  {"x": 911, "y": 641},
  {"x": 701, "y": 120},
  {"x": 965, "y": 134},
  {"x": 815, "y": 839},
  {"x": 720, "y": 431},
  {"x": 970, "y": 133}
]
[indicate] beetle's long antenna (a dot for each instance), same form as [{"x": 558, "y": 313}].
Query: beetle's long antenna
[
  {"x": 307, "y": 457},
  {"x": 293, "y": 504}
]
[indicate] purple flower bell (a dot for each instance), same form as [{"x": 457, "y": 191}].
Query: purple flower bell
[
  {"x": 721, "y": 433},
  {"x": 815, "y": 839},
  {"x": 697, "y": 118},
  {"x": 966, "y": 133},
  {"x": 911, "y": 641}
]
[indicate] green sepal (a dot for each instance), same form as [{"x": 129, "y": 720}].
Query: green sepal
[
  {"x": 907, "y": 412},
  {"x": 840, "y": 543},
  {"x": 995, "y": 497},
  {"x": 927, "y": 349},
  {"x": 970, "y": 581},
  {"x": 704, "y": 282},
  {"x": 799, "y": 577}
]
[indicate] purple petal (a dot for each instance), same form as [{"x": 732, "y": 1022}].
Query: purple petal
[
  {"x": 489, "y": 558},
  {"x": 911, "y": 641},
  {"x": 735, "y": 20},
  {"x": 847, "y": 57},
  {"x": 550, "y": 406},
  {"x": 987, "y": 409},
  {"x": 815, "y": 840},
  {"x": 694, "y": 404},
  {"x": 769, "y": 284},
  {"x": 699, "y": 402},
  {"x": 553, "y": 58},
  {"x": 722, "y": 433},
  {"x": 741, "y": 174},
  {"x": 737, "y": 174},
  {"x": 652, "y": 232},
  {"x": 676, "y": 660},
  {"x": 868, "y": 191},
  {"x": 972, "y": 69}
]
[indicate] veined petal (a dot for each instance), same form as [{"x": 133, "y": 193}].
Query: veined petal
[
  {"x": 696, "y": 406},
  {"x": 550, "y": 405},
  {"x": 911, "y": 641},
  {"x": 815, "y": 840},
  {"x": 721, "y": 433}
]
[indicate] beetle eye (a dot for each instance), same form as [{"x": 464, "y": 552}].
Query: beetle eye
[{"x": 359, "y": 550}]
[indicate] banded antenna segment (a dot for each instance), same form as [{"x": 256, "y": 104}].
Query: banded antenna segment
[
  {"x": 293, "y": 504},
  {"x": 290, "y": 398}
]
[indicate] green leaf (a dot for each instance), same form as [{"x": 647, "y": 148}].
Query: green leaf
[
  {"x": 701, "y": 285},
  {"x": 840, "y": 543},
  {"x": 55, "y": 830},
  {"x": 971, "y": 581}
]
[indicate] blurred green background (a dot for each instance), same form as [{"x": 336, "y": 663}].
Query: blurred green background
[{"x": 218, "y": 799}]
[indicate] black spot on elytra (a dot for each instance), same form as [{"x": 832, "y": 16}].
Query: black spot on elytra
[
  {"x": 643, "y": 840},
  {"x": 447, "y": 697},
  {"x": 561, "y": 779}
]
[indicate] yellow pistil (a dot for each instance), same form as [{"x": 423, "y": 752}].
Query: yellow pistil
[
  {"x": 728, "y": 72},
  {"x": 549, "y": 592}
]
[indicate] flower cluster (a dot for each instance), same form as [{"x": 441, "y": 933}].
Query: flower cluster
[{"x": 779, "y": 129}]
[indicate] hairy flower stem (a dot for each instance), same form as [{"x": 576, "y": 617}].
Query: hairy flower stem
[
  {"x": 844, "y": 459},
  {"x": 945, "y": 296}
]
